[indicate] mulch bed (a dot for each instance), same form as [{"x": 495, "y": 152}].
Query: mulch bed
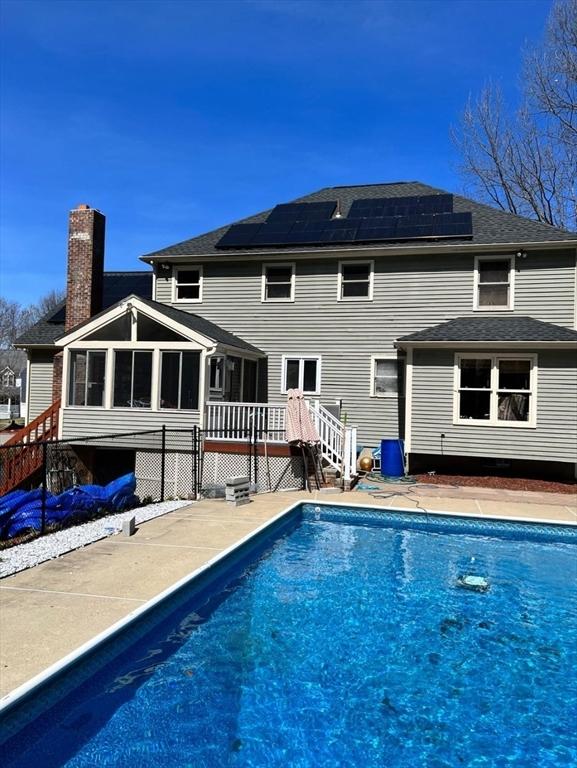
[{"x": 500, "y": 483}]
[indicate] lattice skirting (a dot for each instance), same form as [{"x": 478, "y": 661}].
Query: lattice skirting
[
  {"x": 277, "y": 473},
  {"x": 178, "y": 476}
]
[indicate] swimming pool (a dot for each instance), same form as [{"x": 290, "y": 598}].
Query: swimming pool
[{"x": 340, "y": 638}]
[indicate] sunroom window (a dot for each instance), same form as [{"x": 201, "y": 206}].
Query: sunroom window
[
  {"x": 494, "y": 283},
  {"x": 496, "y": 389},
  {"x": 132, "y": 379},
  {"x": 216, "y": 374},
  {"x": 188, "y": 284},
  {"x": 87, "y": 378},
  {"x": 179, "y": 380}
]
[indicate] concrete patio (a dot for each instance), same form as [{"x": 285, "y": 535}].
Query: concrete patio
[{"x": 49, "y": 610}]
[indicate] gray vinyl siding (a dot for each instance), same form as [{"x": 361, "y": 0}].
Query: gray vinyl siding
[
  {"x": 553, "y": 439},
  {"x": 410, "y": 293},
  {"x": 93, "y": 422},
  {"x": 41, "y": 374}
]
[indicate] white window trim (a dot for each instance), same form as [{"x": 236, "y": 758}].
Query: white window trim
[
  {"x": 301, "y": 358},
  {"x": 476, "y": 283},
  {"x": 159, "y": 383},
  {"x": 154, "y": 379},
  {"x": 493, "y": 421},
  {"x": 67, "y": 381},
  {"x": 384, "y": 395},
  {"x": 263, "y": 296},
  {"x": 340, "y": 296},
  {"x": 175, "y": 284}
]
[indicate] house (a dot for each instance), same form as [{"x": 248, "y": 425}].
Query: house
[
  {"x": 401, "y": 309},
  {"x": 7, "y": 377}
]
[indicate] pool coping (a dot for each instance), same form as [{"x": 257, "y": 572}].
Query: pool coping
[{"x": 25, "y": 690}]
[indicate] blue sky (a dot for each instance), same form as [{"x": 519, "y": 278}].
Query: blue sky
[{"x": 176, "y": 117}]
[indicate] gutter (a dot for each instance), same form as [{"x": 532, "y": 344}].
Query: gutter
[
  {"x": 400, "y": 344},
  {"x": 414, "y": 250}
]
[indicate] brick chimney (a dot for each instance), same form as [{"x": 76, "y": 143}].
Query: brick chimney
[
  {"x": 85, "y": 275},
  {"x": 85, "y": 265}
]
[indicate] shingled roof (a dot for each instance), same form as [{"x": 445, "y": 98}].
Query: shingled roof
[
  {"x": 187, "y": 319},
  {"x": 492, "y": 329},
  {"x": 490, "y": 225},
  {"x": 116, "y": 285}
]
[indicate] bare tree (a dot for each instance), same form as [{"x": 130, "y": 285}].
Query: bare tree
[
  {"x": 526, "y": 162},
  {"x": 15, "y": 319}
]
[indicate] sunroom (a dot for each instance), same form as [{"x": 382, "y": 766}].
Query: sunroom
[{"x": 141, "y": 364}]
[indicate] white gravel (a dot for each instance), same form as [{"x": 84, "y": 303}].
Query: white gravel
[{"x": 53, "y": 545}]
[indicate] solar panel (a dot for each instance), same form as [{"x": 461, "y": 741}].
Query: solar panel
[
  {"x": 401, "y": 206},
  {"x": 302, "y": 211},
  {"x": 284, "y": 231}
]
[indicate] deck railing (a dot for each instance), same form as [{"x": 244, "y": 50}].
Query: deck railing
[{"x": 234, "y": 421}]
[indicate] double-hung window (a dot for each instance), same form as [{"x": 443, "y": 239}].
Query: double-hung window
[
  {"x": 355, "y": 280},
  {"x": 493, "y": 389},
  {"x": 179, "y": 380},
  {"x": 188, "y": 284},
  {"x": 302, "y": 373},
  {"x": 278, "y": 282},
  {"x": 387, "y": 377},
  {"x": 132, "y": 379},
  {"x": 494, "y": 283},
  {"x": 87, "y": 378}
]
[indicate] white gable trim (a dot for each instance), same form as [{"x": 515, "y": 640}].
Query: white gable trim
[{"x": 117, "y": 311}]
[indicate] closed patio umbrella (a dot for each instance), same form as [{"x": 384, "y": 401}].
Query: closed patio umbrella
[
  {"x": 299, "y": 425},
  {"x": 301, "y": 431}
]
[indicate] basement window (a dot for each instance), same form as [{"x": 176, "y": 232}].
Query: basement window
[
  {"x": 188, "y": 284},
  {"x": 87, "y": 378}
]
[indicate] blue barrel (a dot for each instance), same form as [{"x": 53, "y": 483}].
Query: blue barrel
[{"x": 392, "y": 458}]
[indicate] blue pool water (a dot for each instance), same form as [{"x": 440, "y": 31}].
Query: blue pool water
[{"x": 343, "y": 645}]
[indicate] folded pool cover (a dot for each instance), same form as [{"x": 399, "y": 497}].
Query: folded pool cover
[{"x": 22, "y": 510}]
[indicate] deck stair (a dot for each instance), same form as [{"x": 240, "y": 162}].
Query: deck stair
[{"x": 21, "y": 456}]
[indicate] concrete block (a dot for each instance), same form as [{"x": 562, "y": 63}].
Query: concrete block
[{"x": 129, "y": 526}]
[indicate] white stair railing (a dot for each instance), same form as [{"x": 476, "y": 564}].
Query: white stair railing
[{"x": 338, "y": 441}]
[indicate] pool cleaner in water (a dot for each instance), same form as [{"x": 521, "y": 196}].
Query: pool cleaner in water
[{"x": 473, "y": 583}]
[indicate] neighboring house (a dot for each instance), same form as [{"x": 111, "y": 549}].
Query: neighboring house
[
  {"x": 7, "y": 377},
  {"x": 403, "y": 310}
]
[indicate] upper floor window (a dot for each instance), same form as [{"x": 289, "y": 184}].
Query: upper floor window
[
  {"x": 495, "y": 390},
  {"x": 387, "y": 377},
  {"x": 132, "y": 379},
  {"x": 302, "y": 373},
  {"x": 179, "y": 380},
  {"x": 87, "y": 378},
  {"x": 188, "y": 284},
  {"x": 355, "y": 280},
  {"x": 494, "y": 283},
  {"x": 278, "y": 282}
]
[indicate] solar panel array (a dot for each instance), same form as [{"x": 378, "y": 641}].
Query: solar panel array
[{"x": 369, "y": 220}]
